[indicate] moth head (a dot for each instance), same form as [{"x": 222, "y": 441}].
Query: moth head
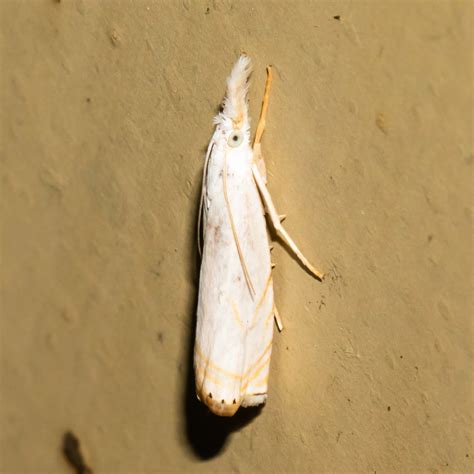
[{"x": 233, "y": 119}]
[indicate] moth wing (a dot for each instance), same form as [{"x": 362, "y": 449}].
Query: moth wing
[{"x": 234, "y": 328}]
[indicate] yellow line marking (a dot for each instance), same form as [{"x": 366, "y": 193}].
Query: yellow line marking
[
  {"x": 270, "y": 315},
  {"x": 261, "y": 384},
  {"x": 206, "y": 362},
  {"x": 250, "y": 369},
  {"x": 256, "y": 374},
  {"x": 236, "y": 313},
  {"x": 261, "y": 300},
  {"x": 203, "y": 373}
]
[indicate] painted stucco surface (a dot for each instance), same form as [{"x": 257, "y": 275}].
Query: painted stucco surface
[{"x": 106, "y": 110}]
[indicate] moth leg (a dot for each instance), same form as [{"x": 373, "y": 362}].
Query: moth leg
[
  {"x": 257, "y": 149},
  {"x": 278, "y": 320},
  {"x": 281, "y": 232}
]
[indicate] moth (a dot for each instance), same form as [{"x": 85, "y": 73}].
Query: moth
[{"x": 236, "y": 308}]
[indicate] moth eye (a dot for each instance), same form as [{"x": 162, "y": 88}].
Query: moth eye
[{"x": 235, "y": 138}]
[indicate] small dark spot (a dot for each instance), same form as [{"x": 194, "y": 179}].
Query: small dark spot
[
  {"x": 234, "y": 402},
  {"x": 208, "y": 10},
  {"x": 160, "y": 336},
  {"x": 401, "y": 357},
  {"x": 430, "y": 237},
  {"x": 72, "y": 452},
  {"x": 388, "y": 408},
  {"x": 322, "y": 302},
  {"x": 222, "y": 401},
  {"x": 467, "y": 455},
  {"x": 337, "y": 17},
  {"x": 217, "y": 233},
  {"x": 235, "y": 138},
  {"x": 287, "y": 348},
  {"x": 88, "y": 99},
  {"x": 210, "y": 395}
]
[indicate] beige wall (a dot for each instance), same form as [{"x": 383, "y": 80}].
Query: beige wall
[{"x": 106, "y": 110}]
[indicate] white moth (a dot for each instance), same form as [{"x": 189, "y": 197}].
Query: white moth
[{"x": 236, "y": 308}]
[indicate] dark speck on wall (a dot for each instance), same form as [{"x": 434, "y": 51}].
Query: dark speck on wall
[{"x": 72, "y": 451}]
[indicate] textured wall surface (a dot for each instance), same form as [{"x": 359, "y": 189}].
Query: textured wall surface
[{"x": 106, "y": 110}]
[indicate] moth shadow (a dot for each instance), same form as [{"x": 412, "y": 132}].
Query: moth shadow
[{"x": 206, "y": 433}]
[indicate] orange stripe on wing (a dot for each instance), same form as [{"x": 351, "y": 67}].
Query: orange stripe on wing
[
  {"x": 208, "y": 363},
  {"x": 260, "y": 385},
  {"x": 251, "y": 368},
  {"x": 258, "y": 370},
  {"x": 236, "y": 314},
  {"x": 270, "y": 315},
  {"x": 203, "y": 373},
  {"x": 261, "y": 300}
]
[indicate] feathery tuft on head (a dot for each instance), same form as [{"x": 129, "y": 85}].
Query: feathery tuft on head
[{"x": 235, "y": 102}]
